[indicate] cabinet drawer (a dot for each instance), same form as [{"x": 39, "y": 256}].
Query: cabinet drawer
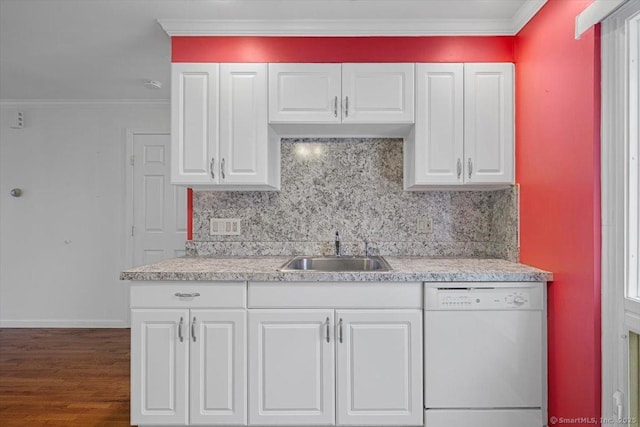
[
  {"x": 334, "y": 295},
  {"x": 172, "y": 294}
]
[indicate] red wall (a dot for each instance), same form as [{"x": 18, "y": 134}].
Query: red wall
[
  {"x": 342, "y": 49},
  {"x": 558, "y": 168}
]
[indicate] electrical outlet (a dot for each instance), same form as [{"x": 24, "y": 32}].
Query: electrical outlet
[
  {"x": 424, "y": 225},
  {"x": 224, "y": 227}
]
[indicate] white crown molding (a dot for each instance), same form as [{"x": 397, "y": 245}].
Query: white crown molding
[
  {"x": 527, "y": 11},
  {"x": 338, "y": 27},
  {"x": 81, "y": 102}
]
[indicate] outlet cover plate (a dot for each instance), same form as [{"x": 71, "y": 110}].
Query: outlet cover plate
[
  {"x": 224, "y": 227},
  {"x": 424, "y": 225}
]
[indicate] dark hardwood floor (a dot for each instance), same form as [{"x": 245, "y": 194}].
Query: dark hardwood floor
[{"x": 64, "y": 377}]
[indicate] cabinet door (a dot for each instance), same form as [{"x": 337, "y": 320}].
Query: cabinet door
[
  {"x": 218, "y": 367},
  {"x": 377, "y": 93},
  {"x": 243, "y": 124},
  {"x": 489, "y": 118},
  {"x": 439, "y": 131},
  {"x": 304, "y": 93},
  {"x": 194, "y": 123},
  {"x": 379, "y": 365},
  {"x": 159, "y": 366},
  {"x": 291, "y": 367}
]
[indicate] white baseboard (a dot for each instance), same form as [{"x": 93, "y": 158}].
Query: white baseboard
[{"x": 63, "y": 323}]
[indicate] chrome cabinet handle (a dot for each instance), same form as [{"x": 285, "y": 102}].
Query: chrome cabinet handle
[
  {"x": 328, "y": 330},
  {"x": 346, "y": 107},
  {"x": 180, "y": 330},
  {"x": 183, "y": 295},
  {"x": 340, "y": 331},
  {"x": 470, "y": 164},
  {"x": 193, "y": 329},
  {"x": 335, "y": 106},
  {"x": 222, "y": 168},
  {"x": 211, "y": 171},
  {"x": 459, "y": 168}
]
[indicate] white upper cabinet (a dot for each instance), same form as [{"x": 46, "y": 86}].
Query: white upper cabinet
[
  {"x": 341, "y": 93},
  {"x": 244, "y": 139},
  {"x": 489, "y": 123},
  {"x": 194, "y": 123},
  {"x": 464, "y": 132},
  {"x": 439, "y": 131},
  {"x": 377, "y": 93},
  {"x": 220, "y": 134},
  {"x": 304, "y": 93}
]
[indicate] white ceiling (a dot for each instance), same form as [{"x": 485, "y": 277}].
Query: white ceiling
[{"x": 106, "y": 49}]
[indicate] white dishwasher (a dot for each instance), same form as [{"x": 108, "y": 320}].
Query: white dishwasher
[{"x": 485, "y": 354}]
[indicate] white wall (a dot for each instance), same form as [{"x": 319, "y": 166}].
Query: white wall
[{"x": 62, "y": 243}]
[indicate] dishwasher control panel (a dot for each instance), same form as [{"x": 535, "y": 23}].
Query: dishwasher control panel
[{"x": 443, "y": 298}]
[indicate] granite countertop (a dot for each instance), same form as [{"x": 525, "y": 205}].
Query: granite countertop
[{"x": 404, "y": 269}]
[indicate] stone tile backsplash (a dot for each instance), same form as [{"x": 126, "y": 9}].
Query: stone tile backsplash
[{"x": 354, "y": 186}]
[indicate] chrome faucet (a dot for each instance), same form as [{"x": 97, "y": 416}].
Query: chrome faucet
[{"x": 337, "y": 244}]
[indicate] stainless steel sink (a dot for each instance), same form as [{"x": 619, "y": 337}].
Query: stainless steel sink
[{"x": 338, "y": 264}]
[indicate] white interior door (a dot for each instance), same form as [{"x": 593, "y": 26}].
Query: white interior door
[{"x": 159, "y": 228}]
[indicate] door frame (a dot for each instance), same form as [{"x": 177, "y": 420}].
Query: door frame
[
  {"x": 128, "y": 190},
  {"x": 619, "y": 313}
]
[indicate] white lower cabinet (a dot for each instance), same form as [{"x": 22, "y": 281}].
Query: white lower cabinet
[
  {"x": 159, "y": 368},
  {"x": 379, "y": 366},
  {"x": 344, "y": 367},
  {"x": 188, "y": 362},
  {"x": 268, "y": 353},
  {"x": 188, "y": 367},
  {"x": 291, "y": 367}
]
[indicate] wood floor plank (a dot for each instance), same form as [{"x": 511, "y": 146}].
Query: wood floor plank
[{"x": 64, "y": 377}]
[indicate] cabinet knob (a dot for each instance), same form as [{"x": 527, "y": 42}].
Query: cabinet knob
[
  {"x": 193, "y": 329},
  {"x": 222, "y": 168},
  {"x": 211, "y": 166},
  {"x": 180, "y": 330},
  {"x": 470, "y": 165},
  {"x": 459, "y": 168},
  {"x": 335, "y": 106},
  {"x": 346, "y": 107}
]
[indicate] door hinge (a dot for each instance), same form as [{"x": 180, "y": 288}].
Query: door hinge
[
  {"x": 133, "y": 230},
  {"x": 132, "y": 160}
]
